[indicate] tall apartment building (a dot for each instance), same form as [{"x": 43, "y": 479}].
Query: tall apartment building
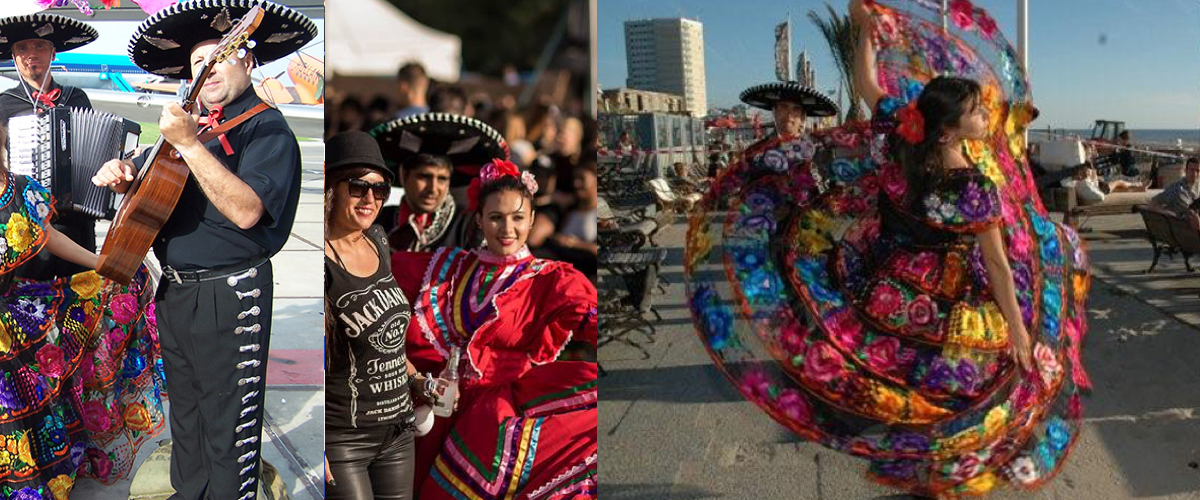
[{"x": 667, "y": 55}]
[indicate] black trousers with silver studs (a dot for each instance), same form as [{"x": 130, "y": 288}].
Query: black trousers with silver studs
[{"x": 215, "y": 330}]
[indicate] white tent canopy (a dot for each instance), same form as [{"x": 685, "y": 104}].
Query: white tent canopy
[
  {"x": 11, "y": 8},
  {"x": 373, "y": 38}
]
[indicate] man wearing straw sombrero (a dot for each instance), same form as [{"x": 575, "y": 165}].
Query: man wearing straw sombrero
[
  {"x": 236, "y": 211},
  {"x": 31, "y": 42}
]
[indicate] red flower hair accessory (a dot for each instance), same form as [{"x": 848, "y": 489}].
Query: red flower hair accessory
[
  {"x": 912, "y": 124},
  {"x": 494, "y": 171}
]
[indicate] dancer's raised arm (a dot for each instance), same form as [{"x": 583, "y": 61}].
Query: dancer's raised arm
[{"x": 866, "y": 81}]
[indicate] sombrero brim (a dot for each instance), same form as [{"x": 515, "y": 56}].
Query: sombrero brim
[
  {"x": 765, "y": 96},
  {"x": 163, "y": 43},
  {"x": 467, "y": 142},
  {"x": 65, "y": 33}
]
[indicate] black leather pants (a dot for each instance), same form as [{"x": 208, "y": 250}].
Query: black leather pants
[{"x": 374, "y": 463}]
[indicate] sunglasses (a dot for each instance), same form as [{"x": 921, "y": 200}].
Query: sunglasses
[{"x": 358, "y": 189}]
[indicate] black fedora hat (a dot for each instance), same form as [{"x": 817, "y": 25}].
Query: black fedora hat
[
  {"x": 765, "y": 96},
  {"x": 355, "y": 148},
  {"x": 468, "y": 143},
  {"x": 163, "y": 43},
  {"x": 65, "y": 33}
]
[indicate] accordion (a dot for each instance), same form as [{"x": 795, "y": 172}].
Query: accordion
[{"x": 63, "y": 148}]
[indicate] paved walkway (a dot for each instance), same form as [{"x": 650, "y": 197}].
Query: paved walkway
[
  {"x": 673, "y": 428},
  {"x": 294, "y": 437}
]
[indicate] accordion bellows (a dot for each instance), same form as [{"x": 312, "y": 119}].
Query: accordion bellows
[{"x": 63, "y": 148}]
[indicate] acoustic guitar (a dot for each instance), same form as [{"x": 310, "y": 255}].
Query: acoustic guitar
[{"x": 154, "y": 192}]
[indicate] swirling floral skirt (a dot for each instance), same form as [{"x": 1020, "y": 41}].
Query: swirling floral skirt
[
  {"x": 81, "y": 382},
  {"x": 851, "y": 337}
]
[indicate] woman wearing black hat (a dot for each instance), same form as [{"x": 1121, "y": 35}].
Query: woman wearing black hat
[{"x": 369, "y": 413}]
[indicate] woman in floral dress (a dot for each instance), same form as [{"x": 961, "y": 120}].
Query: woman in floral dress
[
  {"x": 79, "y": 373},
  {"x": 525, "y": 427},
  {"x": 894, "y": 289}
]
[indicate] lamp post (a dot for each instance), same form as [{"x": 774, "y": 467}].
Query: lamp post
[{"x": 1023, "y": 34}]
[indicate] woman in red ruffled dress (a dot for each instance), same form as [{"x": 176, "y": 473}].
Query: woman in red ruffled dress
[{"x": 525, "y": 425}]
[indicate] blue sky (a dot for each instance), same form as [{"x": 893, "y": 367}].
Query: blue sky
[{"x": 1131, "y": 60}]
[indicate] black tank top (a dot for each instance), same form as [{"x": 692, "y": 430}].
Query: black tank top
[{"x": 366, "y": 380}]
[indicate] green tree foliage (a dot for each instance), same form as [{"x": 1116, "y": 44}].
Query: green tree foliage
[
  {"x": 842, "y": 37},
  {"x": 494, "y": 33}
]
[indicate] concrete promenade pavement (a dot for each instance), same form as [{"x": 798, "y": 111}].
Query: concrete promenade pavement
[
  {"x": 294, "y": 434},
  {"x": 673, "y": 428}
]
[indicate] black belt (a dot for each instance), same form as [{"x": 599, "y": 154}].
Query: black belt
[{"x": 230, "y": 275}]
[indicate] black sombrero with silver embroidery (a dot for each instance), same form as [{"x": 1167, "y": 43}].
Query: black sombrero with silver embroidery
[
  {"x": 65, "y": 33},
  {"x": 765, "y": 96},
  {"x": 163, "y": 43},
  {"x": 467, "y": 142}
]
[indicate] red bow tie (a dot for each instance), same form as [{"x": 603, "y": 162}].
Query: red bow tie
[
  {"x": 47, "y": 98},
  {"x": 211, "y": 121}
]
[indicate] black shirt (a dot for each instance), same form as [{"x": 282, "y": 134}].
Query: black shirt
[
  {"x": 366, "y": 379},
  {"x": 15, "y": 102},
  {"x": 265, "y": 156},
  {"x": 81, "y": 228}
]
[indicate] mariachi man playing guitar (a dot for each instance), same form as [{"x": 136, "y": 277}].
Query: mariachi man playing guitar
[{"x": 236, "y": 211}]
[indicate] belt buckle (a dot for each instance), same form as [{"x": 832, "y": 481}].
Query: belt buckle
[{"x": 174, "y": 273}]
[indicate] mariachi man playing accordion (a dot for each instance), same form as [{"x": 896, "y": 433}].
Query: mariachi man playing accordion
[{"x": 32, "y": 41}]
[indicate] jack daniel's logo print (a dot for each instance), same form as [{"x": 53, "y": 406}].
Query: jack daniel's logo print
[
  {"x": 376, "y": 311},
  {"x": 374, "y": 319}
]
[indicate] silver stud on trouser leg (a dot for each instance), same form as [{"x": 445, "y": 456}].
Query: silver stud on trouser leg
[
  {"x": 249, "y": 273},
  {"x": 247, "y": 329},
  {"x": 246, "y": 483},
  {"x": 249, "y": 395},
  {"x": 247, "y": 496},
  {"x": 243, "y": 442},
  {"x": 248, "y": 410},
  {"x": 245, "y": 426},
  {"x": 253, "y": 311},
  {"x": 246, "y": 469},
  {"x": 247, "y": 364},
  {"x": 249, "y": 348},
  {"x": 248, "y": 456},
  {"x": 249, "y": 380},
  {"x": 252, "y": 293}
]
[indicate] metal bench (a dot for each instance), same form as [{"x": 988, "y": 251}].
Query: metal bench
[
  {"x": 1169, "y": 234},
  {"x": 625, "y": 293}
]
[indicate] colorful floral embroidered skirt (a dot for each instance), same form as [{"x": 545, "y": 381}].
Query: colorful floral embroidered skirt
[
  {"x": 879, "y": 343},
  {"x": 81, "y": 384}
]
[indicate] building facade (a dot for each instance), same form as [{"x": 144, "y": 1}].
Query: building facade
[
  {"x": 667, "y": 55},
  {"x": 627, "y": 100}
]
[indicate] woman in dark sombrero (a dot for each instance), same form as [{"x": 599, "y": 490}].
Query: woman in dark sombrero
[{"x": 432, "y": 154}]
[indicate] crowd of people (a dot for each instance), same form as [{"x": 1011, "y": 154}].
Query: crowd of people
[
  {"x": 557, "y": 143},
  {"x": 472, "y": 293}
]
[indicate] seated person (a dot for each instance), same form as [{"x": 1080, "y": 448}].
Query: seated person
[
  {"x": 574, "y": 237},
  {"x": 1182, "y": 197},
  {"x": 1090, "y": 189}
]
